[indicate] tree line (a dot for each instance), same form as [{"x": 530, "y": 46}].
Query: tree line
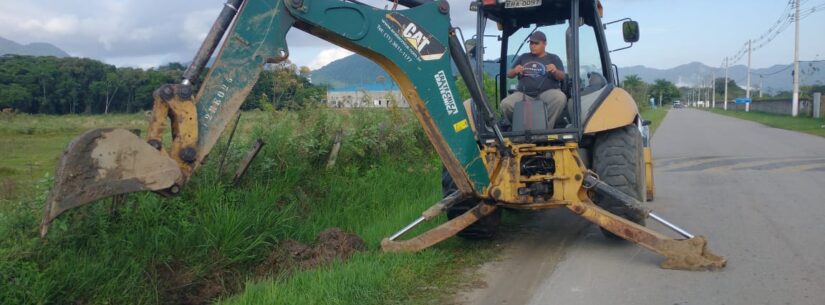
[
  {"x": 662, "y": 90},
  {"x": 668, "y": 92},
  {"x": 50, "y": 85}
]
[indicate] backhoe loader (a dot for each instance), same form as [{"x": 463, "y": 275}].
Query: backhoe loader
[{"x": 594, "y": 162}]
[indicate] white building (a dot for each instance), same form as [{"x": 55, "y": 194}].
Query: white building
[{"x": 367, "y": 96}]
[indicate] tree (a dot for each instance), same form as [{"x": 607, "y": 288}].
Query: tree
[
  {"x": 304, "y": 71},
  {"x": 107, "y": 88},
  {"x": 45, "y": 72},
  {"x": 284, "y": 86},
  {"x": 632, "y": 80},
  {"x": 132, "y": 79},
  {"x": 72, "y": 85},
  {"x": 637, "y": 88},
  {"x": 666, "y": 91},
  {"x": 734, "y": 90},
  {"x": 14, "y": 96}
]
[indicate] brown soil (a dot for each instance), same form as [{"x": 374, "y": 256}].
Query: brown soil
[
  {"x": 180, "y": 284},
  {"x": 333, "y": 244}
]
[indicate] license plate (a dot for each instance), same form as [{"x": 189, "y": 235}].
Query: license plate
[{"x": 521, "y": 3}]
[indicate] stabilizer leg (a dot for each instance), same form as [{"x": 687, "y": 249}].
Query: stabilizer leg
[
  {"x": 683, "y": 254},
  {"x": 440, "y": 233}
]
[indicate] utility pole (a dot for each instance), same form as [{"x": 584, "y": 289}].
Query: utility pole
[
  {"x": 713, "y": 88},
  {"x": 726, "y": 83},
  {"x": 761, "y": 81},
  {"x": 707, "y": 101},
  {"x": 660, "y": 99},
  {"x": 795, "y": 106},
  {"x": 748, "y": 90},
  {"x": 689, "y": 98},
  {"x": 707, "y": 95}
]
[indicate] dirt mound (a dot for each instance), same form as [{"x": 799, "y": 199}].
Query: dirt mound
[
  {"x": 180, "y": 284},
  {"x": 333, "y": 244}
]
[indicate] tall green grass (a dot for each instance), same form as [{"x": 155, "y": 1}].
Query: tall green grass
[
  {"x": 210, "y": 242},
  {"x": 656, "y": 116}
]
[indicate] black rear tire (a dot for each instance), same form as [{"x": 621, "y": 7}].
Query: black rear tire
[
  {"x": 618, "y": 159},
  {"x": 484, "y": 228}
]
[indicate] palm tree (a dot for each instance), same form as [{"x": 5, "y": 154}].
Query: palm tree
[
  {"x": 632, "y": 81},
  {"x": 664, "y": 89},
  {"x": 637, "y": 88}
]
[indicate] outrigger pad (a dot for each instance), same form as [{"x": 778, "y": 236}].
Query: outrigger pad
[
  {"x": 689, "y": 254},
  {"x": 102, "y": 163}
]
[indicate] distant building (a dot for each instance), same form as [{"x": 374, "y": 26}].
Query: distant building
[{"x": 366, "y": 96}]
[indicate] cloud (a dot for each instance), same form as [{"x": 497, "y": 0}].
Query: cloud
[
  {"x": 61, "y": 25},
  {"x": 135, "y": 32},
  {"x": 327, "y": 56},
  {"x": 112, "y": 31},
  {"x": 196, "y": 26}
]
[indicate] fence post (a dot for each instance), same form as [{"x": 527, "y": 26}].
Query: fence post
[
  {"x": 817, "y": 104},
  {"x": 247, "y": 160},
  {"x": 336, "y": 147}
]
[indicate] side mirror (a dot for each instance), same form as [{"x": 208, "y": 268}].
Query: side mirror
[{"x": 630, "y": 31}]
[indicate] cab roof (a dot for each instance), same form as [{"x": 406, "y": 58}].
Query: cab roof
[{"x": 550, "y": 12}]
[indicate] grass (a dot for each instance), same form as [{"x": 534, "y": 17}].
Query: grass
[
  {"x": 211, "y": 243},
  {"x": 31, "y": 145},
  {"x": 656, "y": 116},
  {"x": 801, "y": 124}
]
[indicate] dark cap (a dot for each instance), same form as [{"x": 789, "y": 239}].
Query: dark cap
[{"x": 538, "y": 36}]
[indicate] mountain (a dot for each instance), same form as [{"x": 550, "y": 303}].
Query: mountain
[
  {"x": 772, "y": 79},
  {"x": 33, "y": 49},
  {"x": 355, "y": 70},
  {"x": 351, "y": 71}
]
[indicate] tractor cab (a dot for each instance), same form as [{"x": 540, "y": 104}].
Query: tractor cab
[{"x": 581, "y": 45}]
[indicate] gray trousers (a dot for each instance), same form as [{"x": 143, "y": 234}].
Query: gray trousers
[{"x": 553, "y": 98}]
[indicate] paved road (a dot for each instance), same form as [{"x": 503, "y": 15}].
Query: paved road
[{"x": 757, "y": 193}]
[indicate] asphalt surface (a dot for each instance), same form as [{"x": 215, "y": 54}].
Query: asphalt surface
[{"x": 757, "y": 193}]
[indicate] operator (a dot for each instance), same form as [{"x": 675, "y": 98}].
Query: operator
[{"x": 539, "y": 77}]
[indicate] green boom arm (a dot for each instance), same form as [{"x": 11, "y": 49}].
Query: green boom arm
[{"x": 412, "y": 45}]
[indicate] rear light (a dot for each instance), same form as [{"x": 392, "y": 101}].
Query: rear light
[{"x": 490, "y": 2}]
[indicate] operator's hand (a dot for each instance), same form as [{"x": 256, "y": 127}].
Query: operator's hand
[
  {"x": 518, "y": 69},
  {"x": 551, "y": 68}
]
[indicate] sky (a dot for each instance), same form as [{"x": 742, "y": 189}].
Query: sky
[{"x": 147, "y": 33}]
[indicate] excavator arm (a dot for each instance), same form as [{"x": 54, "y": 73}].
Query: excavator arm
[{"x": 413, "y": 45}]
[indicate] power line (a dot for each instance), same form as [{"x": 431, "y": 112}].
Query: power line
[
  {"x": 783, "y": 17},
  {"x": 776, "y": 72},
  {"x": 788, "y": 67},
  {"x": 784, "y": 21},
  {"x": 780, "y": 22}
]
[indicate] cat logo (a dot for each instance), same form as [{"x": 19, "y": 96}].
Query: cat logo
[
  {"x": 414, "y": 37},
  {"x": 420, "y": 40}
]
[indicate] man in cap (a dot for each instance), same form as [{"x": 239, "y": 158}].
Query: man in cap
[{"x": 539, "y": 77}]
